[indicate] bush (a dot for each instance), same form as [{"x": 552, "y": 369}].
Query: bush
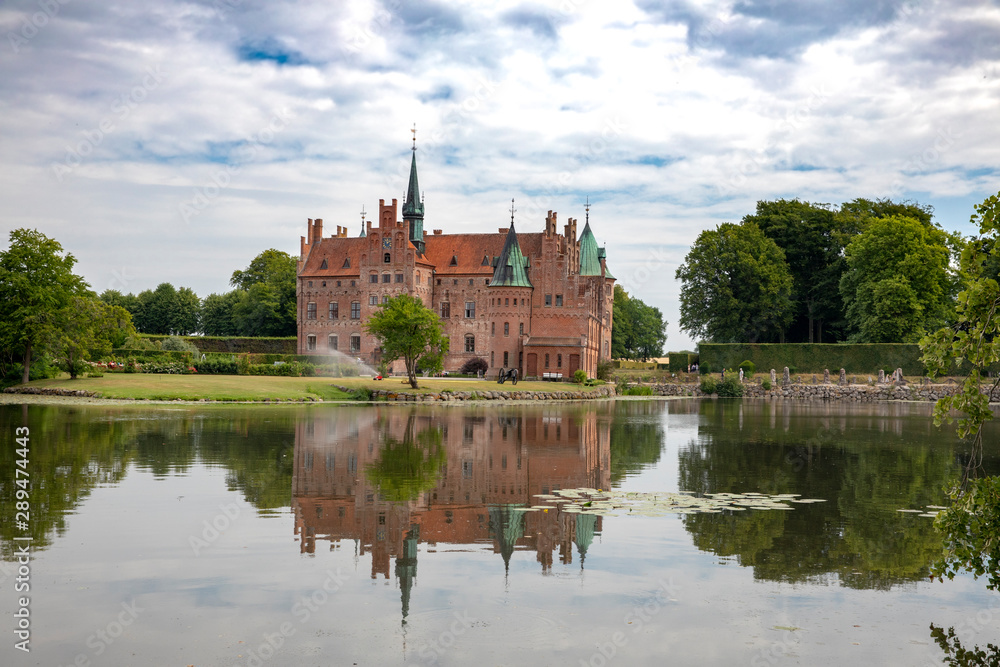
[
  {"x": 361, "y": 394},
  {"x": 217, "y": 366},
  {"x": 704, "y": 368},
  {"x": 579, "y": 376},
  {"x": 766, "y": 384},
  {"x": 639, "y": 391},
  {"x": 171, "y": 367},
  {"x": 604, "y": 369},
  {"x": 729, "y": 388},
  {"x": 475, "y": 366},
  {"x": 748, "y": 368},
  {"x": 708, "y": 385}
]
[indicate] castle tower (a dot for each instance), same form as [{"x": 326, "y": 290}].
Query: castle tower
[
  {"x": 509, "y": 310},
  {"x": 413, "y": 208}
]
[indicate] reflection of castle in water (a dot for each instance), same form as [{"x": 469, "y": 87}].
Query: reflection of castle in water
[{"x": 487, "y": 462}]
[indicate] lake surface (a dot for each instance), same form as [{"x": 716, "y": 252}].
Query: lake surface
[{"x": 404, "y": 535}]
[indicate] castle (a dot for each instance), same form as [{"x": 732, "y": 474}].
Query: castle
[{"x": 540, "y": 302}]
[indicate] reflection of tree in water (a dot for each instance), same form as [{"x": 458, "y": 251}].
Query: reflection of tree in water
[
  {"x": 73, "y": 450},
  {"x": 957, "y": 655},
  {"x": 69, "y": 454},
  {"x": 408, "y": 467},
  {"x": 864, "y": 475},
  {"x": 636, "y": 438}
]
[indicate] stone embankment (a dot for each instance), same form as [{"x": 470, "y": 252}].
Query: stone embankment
[
  {"x": 606, "y": 391},
  {"x": 859, "y": 393},
  {"x": 50, "y": 391}
]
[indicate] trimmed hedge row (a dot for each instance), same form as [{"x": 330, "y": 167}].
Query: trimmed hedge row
[
  {"x": 680, "y": 361},
  {"x": 238, "y": 345},
  {"x": 813, "y": 357}
]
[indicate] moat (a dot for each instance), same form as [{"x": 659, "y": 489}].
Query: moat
[{"x": 609, "y": 532}]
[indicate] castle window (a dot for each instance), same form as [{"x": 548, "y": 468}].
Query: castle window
[
  {"x": 310, "y": 283},
  {"x": 470, "y": 309},
  {"x": 334, "y": 311},
  {"x": 506, "y": 302},
  {"x": 399, "y": 277},
  {"x": 470, "y": 343},
  {"x": 548, "y": 299},
  {"x": 387, "y": 257},
  {"x": 506, "y": 329},
  {"x": 355, "y": 310},
  {"x": 491, "y": 359},
  {"x": 546, "y": 360},
  {"x": 487, "y": 282},
  {"x": 311, "y": 310},
  {"x": 493, "y": 328},
  {"x": 439, "y": 281},
  {"x": 311, "y": 342},
  {"x": 324, "y": 265},
  {"x": 355, "y": 343},
  {"x": 332, "y": 342},
  {"x": 558, "y": 361},
  {"x": 386, "y": 278},
  {"x": 373, "y": 299},
  {"x": 455, "y": 281},
  {"x": 385, "y": 298},
  {"x": 373, "y": 278},
  {"x": 486, "y": 260},
  {"x": 347, "y": 263},
  {"x": 324, "y": 283},
  {"x": 445, "y": 309},
  {"x": 353, "y": 283},
  {"x": 454, "y": 261},
  {"x": 520, "y": 329},
  {"x": 558, "y": 299},
  {"x": 338, "y": 283},
  {"x": 470, "y": 282}
]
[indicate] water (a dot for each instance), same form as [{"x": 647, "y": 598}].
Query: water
[{"x": 391, "y": 535}]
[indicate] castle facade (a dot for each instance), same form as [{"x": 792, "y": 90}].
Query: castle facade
[{"x": 540, "y": 302}]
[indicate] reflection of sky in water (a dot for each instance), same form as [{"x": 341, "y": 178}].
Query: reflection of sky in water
[{"x": 642, "y": 577}]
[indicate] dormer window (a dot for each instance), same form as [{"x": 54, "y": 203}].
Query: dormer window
[
  {"x": 486, "y": 260},
  {"x": 454, "y": 260},
  {"x": 347, "y": 263},
  {"x": 324, "y": 265}
]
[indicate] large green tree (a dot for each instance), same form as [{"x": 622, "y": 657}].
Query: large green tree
[
  {"x": 217, "y": 314},
  {"x": 639, "y": 331},
  {"x": 408, "y": 330},
  {"x": 897, "y": 285},
  {"x": 812, "y": 240},
  {"x": 266, "y": 305},
  {"x": 736, "y": 286},
  {"x": 167, "y": 310},
  {"x": 87, "y": 327},
  {"x": 37, "y": 283}
]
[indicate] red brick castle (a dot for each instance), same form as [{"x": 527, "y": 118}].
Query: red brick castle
[{"x": 540, "y": 302}]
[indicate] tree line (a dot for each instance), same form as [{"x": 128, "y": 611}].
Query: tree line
[
  {"x": 262, "y": 303},
  {"x": 868, "y": 271}
]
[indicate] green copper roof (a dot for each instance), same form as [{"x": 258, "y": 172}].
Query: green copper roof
[
  {"x": 590, "y": 261},
  {"x": 413, "y": 207},
  {"x": 511, "y": 266}
]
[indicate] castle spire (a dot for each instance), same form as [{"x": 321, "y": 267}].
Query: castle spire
[
  {"x": 511, "y": 266},
  {"x": 413, "y": 207}
]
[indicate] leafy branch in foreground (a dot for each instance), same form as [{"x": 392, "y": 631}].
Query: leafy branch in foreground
[{"x": 971, "y": 526}]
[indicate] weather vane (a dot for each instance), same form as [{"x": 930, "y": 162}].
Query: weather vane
[
  {"x": 414, "y": 131},
  {"x": 362, "y": 217},
  {"x": 587, "y": 207},
  {"x": 512, "y": 209}
]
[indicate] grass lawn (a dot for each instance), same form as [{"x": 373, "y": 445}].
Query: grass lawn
[{"x": 255, "y": 388}]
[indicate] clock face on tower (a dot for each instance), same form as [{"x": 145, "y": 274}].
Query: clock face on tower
[{"x": 387, "y": 243}]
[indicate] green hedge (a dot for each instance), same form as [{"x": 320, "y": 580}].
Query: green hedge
[
  {"x": 814, "y": 357},
  {"x": 121, "y": 354},
  {"x": 679, "y": 361},
  {"x": 239, "y": 345}
]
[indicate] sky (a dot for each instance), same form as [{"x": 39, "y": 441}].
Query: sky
[{"x": 173, "y": 141}]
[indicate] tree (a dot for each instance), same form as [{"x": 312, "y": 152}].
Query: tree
[
  {"x": 639, "y": 331},
  {"x": 88, "y": 327},
  {"x": 896, "y": 285},
  {"x": 36, "y": 283},
  {"x": 267, "y": 303},
  {"x": 167, "y": 310},
  {"x": 407, "y": 329},
  {"x": 812, "y": 242},
  {"x": 970, "y": 525},
  {"x": 736, "y": 286},
  {"x": 217, "y": 314}
]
